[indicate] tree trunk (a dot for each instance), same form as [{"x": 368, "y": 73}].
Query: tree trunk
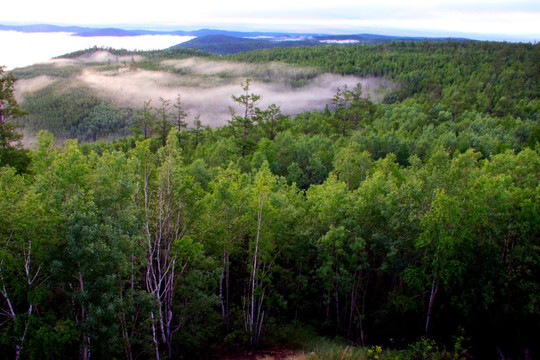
[
  {"x": 154, "y": 336},
  {"x": 84, "y": 353},
  {"x": 162, "y": 228},
  {"x": 125, "y": 334},
  {"x": 227, "y": 276},
  {"x": 254, "y": 271},
  {"x": 272, "y": 134},
  {"x": 244, "y": 137},
  {"x": 338, "y": 320},
  {"x": 353, "y": 304},
  {"x": 434, "y": 288},
  {"x": 253, "y": 313}
]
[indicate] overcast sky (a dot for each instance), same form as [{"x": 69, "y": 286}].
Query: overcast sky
[{"x": 512, "y": 20}]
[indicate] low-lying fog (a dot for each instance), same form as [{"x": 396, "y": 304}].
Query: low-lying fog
[
  {"x": 206, "y": 86},
  {"x": 132, "y": 88}
]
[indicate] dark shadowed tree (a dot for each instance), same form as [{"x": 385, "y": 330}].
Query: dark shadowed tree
[{"x": 11, "y": 152}]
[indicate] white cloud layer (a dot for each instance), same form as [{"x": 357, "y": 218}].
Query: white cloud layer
[
  {"x": 493, "y": 19},
  {"x": 22, "y": 49}
]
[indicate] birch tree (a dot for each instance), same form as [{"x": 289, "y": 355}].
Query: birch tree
[
  {"x": 261, "y": 251},
  {"x": 225, "y": 224},
  {"x": 166, "y": 207},
  {"x": 341, "y": 253},
  {"x": 23, "y": 234}
]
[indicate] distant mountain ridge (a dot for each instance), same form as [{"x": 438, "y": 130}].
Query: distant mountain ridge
[
  {"x": 89, "y": 31},
  {"x": 223, "y": 42},
  {"x": 226, "y": 44}
]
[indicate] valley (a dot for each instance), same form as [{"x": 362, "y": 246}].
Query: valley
[{"x": 205, "y": 85}]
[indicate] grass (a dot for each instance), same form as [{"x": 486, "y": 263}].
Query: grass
[{"x": 308, "y": 345}]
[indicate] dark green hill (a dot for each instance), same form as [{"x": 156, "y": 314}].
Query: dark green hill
[{"x": 225, "y": 44}]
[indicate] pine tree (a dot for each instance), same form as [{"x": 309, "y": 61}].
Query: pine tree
[
  {"x": 11, "y": 152},
  {"x": 180, "y": 114},
  {"x": 248, "y": 102},
  {"x": 145, "y": 121},
  {"x": 163, "y": 124}
]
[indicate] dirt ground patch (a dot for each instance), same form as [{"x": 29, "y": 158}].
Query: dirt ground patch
[{"x": 273, "y": 354}]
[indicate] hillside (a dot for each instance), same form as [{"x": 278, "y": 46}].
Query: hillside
[
  {"x": 396, "y": 218},
  {"x": 223, "y": 44},
  {"x": 121, "y": 82}
]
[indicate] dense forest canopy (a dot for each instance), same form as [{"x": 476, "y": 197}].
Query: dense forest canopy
[{"x": 411, "y": 223}]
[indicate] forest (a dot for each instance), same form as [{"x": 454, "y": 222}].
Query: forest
[{"x": 406, "y": 228}]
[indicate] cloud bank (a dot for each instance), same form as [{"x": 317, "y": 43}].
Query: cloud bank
[{"x": 493, "y": 20}]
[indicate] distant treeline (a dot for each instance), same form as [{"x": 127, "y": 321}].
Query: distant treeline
[
  {"x": 497, "y": 79},
  {"x": 489, "y": 77},
  {"x": 173, "y": 53}
]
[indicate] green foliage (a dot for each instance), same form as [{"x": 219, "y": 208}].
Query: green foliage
[
  {"x": 10, "y": 146},
  {"x": 498, "y": 78},
  {"x": 223, "y": 44},
  {"x": 76, "y": 114},
  {"x": 414, "y": 227},
  {"x": 241, "y": 124}
]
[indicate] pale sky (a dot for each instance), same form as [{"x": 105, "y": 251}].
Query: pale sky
[{"x": 512, "y": 20}]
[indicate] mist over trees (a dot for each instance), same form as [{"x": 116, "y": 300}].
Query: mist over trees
[{"x": 410, "y": 223}]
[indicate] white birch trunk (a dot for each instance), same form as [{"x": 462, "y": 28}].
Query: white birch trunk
[{"x": 434, "y": 288}]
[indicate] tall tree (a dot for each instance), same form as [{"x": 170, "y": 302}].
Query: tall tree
[
  {"x": 163, "y": 120},
  {"x": 180, "y": 114},
  {"x": 247, "y": 102},
  {"x": 352, "y": 165},
  {"x": 342, "y": 104},
  {"x": 226, "y": 208},
  {"x": 271, "y": 120},
  {"x": 361, "y": 106},
  {"x": 24, "y": 234},
  {"x": 262, "y": 220},
  {"x": 167, "y": 207},
  {"x": 198, "y": 129},
  {"x": 145, "y": 121},
  {"x": 10, "y": 145}
]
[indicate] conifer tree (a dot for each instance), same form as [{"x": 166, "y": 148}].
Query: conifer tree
[
  {"x": 145, "y": 121},
  {"x": 248, "y": 102},
  {"x": 10, "y": 144},
  {"x": 180, "y": 114}
]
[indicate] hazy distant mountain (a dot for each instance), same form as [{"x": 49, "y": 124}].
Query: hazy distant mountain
[
  {"x": 230, "y": 44},
  {"x": 260, "y": 37},
  {"x": 225, "y": 44},
  {"x": 43, "y": 28},
  {"x": 88, "y": 31},
  {"x": 82, "y": 31}
]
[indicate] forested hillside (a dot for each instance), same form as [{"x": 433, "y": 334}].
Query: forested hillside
[
  {"x": 411, "y": 223},
  {"x": 223, "y": 43}
]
